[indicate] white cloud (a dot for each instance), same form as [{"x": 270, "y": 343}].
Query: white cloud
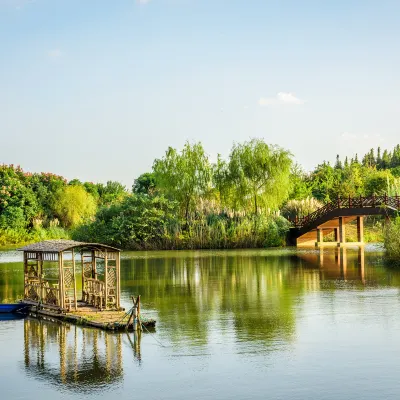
[
  {"x": 55, "y": 53},
  {"x": 281, "y": 98}
]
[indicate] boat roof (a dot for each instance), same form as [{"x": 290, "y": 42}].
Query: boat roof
[{"x": 55, "y": 246}]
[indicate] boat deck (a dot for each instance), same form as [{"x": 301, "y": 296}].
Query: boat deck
[{"x": 87, "y": 315}]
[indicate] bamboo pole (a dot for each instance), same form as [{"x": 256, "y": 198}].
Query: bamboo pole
[
  {"x": 74, "y": 272},
  {"x": 94, "y": 266},
  {"x": 83, "y": 274},
  {"x": 135, "y": 314},
  {"x": 118, "y": 273},
  {"x": 106, "y": 277},
  {"x": 39, "y": 257},
  {"x": 130, "y": 319},
  {"x": 138, "y": 312},
  {"x": 61, "y": 278},
  {"x": 25, "y": 275}
]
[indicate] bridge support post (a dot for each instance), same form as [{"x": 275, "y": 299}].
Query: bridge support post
[
  {"x": 342, "y": 230},
  {"x": 336, "y": 233},
  {"x": 360, "y": 229},
  {"x": 320, "y": 235}
]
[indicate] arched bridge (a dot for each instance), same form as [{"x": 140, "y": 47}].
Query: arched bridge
[{"x": 333, "y": 217}]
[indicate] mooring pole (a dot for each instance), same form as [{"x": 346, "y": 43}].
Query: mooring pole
[
  {"x": 138, "y": 313},
  {"x": 135, "y": 313}
]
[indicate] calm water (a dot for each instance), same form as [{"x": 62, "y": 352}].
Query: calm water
[{"x": 276, "y": 324}]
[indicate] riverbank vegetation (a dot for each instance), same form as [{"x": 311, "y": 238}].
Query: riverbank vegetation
[
  {"x": 392, "y": 239},
  {"x": 186, "y": 201}
]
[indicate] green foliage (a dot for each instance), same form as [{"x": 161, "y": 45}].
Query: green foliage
[
  {"x": 184, "y": 177},
  {"x": 299, "y": 184},
  {"x": 13, "y": 217},
  {"x": 141, "y": 222},
  {"x": 138, "y": 222},
  {"x": 393, "y": 188},
  {"x": 392, "y": 238},
  {"x": 377, "y": 182},
  {"x": 45, "y": 186},
  {"x": 323, "y": 181},
  {"x": 110, "y": 193},
  {"x": 300, "y": 208},
  {"x": 19, "y": 236},
  {"x": 186, "y": 202},
  {"x": 73, "y": 205},
  {"x": 258, "y": 176},
  {"x": 145, "y": 184}
]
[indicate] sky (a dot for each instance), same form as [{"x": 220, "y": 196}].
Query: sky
[{"x": 98, "y": 89}]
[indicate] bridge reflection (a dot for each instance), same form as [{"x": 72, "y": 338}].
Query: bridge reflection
[
  {"x": 341, "y": 263},
  {"x": 74, "y": 357}
]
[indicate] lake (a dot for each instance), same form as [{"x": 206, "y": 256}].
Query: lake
[{"x": 247, "y": 324}]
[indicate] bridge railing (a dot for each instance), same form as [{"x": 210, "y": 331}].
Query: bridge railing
[{"x": 349, "y": 202}]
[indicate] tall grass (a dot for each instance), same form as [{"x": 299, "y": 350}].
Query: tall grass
[
  {"x": 300, "y": 208},
  {"x": 9, "y": 237},
  {"x": 392, "y": 238},
  {"x": 206, "y": 232}
]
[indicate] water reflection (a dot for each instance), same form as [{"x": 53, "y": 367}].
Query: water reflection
[
  {"x": 195, "y": 295},
  {"x": 231, "y": 296},
  {"x": 74, "y": 357},
  {"x": 338, "y": 264},
  {"x": 268, "y": 316}
]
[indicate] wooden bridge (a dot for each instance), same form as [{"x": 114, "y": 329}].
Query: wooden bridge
[{"x": 309, "y": 231}]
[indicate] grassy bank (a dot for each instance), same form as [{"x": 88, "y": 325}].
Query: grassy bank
[
  {"x": 16, "y": 237},
  {"x": 146, "y": 232}
]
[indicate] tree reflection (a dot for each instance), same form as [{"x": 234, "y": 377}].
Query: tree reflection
[
  {"x": 200, "y": 297},
  {"x": 194, "y": 294}
]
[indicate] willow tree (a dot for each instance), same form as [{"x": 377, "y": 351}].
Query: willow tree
[
  {"x": 184, "y": 177},
  {"x": 259, "y": 174},
  {"x": 73, "y": 205}
]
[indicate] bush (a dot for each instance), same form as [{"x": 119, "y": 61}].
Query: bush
[
  {"x": 392, "y": 238},
  {"x": 142, "y": 222}
]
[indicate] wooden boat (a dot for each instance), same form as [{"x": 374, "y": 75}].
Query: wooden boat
[{"x": 11, "y": 308}]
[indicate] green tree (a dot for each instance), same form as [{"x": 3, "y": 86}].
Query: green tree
[
  {"x": 16, "y": 193},
  {"x": 222, "y": 183},
  {"x": 45, "y": 186},
  {"x": 185, "y": 177},
  {"x": 323, "y": 180},
  {"x": 377, "y": 182},
  {"x": 260, "y": 174},
  {"x": 138, "y": 222},
  {"x": 110, "y": 193},
  {"x": 386, "y": 160},
  {"x": 350, "y": 182},
  {"x": 338, "y": 164},
  {"x": 73, "y": 205},
  {"x": 299, "y": 182},
  {"x": 145, "y": 184}
]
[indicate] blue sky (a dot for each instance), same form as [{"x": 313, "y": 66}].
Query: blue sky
[{"x": 98, "y": 89}]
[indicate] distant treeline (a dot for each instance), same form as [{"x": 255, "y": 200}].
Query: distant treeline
[{"x": 186, "y": 201}]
